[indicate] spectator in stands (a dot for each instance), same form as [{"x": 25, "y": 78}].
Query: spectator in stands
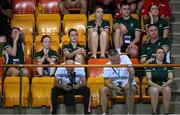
[
  {"x": 73, "y": 50},
  {"x": 163, "y": 6},
  {"x": 14, "y": 52},
  {"x": 118, "y": 80},
  {"x": 70, "y": 81},
  {"x": 161, "y": 23},
  {"x": 65, "y": 4},
  {"x": 98, "y": 30},
  {"x": 109, "y": 6},
  {"x": 154, "y": 42},
  {"x": 5, "y": 15},
  {"x": 159, "y": 81},
  {"x": 46, "y": 56},
  {"x": 127, "y": 30}
]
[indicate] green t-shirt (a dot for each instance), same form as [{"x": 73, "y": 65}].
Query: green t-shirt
[
  {"x": 51, "y": 54},
  {"x": 19, "y": 58},
  {"x": 162, "y": 25},
  {"x": 159, "y": 74},
  {"x": 105, "y": 25},
  {"x": 132, "y": 25},
  {"x": 148, "y": 49}
]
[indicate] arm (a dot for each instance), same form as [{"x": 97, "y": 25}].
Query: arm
[
  {"x": 170, "y": 79},
  {"x": 108, "y": 83},
  {"x": 13, "y": 50},
  {"x": 137, "y": 37},
  {"x": 68, "y": 54},
  {"x": 166, "y": 33},
  {"x": 7, "y": 12}
]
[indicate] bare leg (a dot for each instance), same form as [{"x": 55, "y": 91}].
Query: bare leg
[
  {"x": 104, "y": 92},
  {"x": 52, "y": 69},
  {"x": 118, "y": 39},
  {"x": 103, "y": 42},
  {"x": 154, "y": 93},
  {"x": 25, "y": 72},
  {"x": 40, "y": 70},
  {"x": 63, "y": 9},
  {"x": 12, "y": 71},
  {"x": 94, "y": 43},
  {"x": 129, "y": 99},
  {"x": 79, "y": 58},
  {"x": 166, "y": 98}
]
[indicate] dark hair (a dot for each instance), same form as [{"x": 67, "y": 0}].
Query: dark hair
[
  {"x": 97, "y": 8},
  {"x": 151, "y": 6},
  {"x": 152, "y": 25},
  {"x": 44, "y": 36},
  {"x": 158, "y": 49},
  {"x": 71, "y": 30},
  {"x": 125, "y": 3},
  {"x": 112, "y": 52}
]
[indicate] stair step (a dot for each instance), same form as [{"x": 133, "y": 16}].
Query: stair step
[
  {"x": 176, "y": 84},
  {"x": 175, "y": 59},
  {"x": 175, "y": 5},
  {"x": 175, "y": 38},
  {"x": 175, "y": 16},
  {"x": 175, "y": 49},
  {"x": 175, "y": 27},
  {"x": 177, "y": 72}
]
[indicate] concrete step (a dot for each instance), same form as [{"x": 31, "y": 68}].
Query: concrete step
[
  {"x": 175, "y": 26},
  {"x": 176, "y": 84},
  {"x": 174, "y": 5},
  {"x": 175, "y": 38},
  {"x": 175, "y": 97},
  {"x": 177, "y": 72},
  {"x": 175, "y": 48},
  {"x": 175, "y": 16},
  {"x": 175, "y": 59}
]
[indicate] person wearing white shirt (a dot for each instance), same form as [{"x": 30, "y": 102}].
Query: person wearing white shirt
[
  {"x": 70, "y": 81},
  {"x": 118, "y": 79}
]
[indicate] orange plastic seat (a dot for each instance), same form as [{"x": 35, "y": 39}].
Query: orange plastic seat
[
  {"x": 95, "y": 83},
  {"x": 48, "y": 24},
  {"x": 26, "y": 22},
  {"x": 135, "y": 61},
  {"x": 81, "y": 40},
  {"x": 95, "y": 71},
  {"x": 51, "y": 6},
  {"x": 2, "y": 61},
  {"x": 24, "y": 6},
  {"x": 41, "y": 91},
  {"x": 76, "y": 21},
  {"x": 11, "y": 91}
]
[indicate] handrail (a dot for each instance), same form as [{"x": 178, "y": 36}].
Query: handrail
[{"x": 90, "y": 65}]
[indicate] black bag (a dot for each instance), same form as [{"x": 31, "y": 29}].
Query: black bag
[{"x": 69, "y": 99}]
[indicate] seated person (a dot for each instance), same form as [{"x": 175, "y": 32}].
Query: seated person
[
  {"x": 65, "y": 4},
  {"x": 70, "y": 81},
  {"x": 73, "y": 50},
  {"x": 127, "y": 30},
  {"x": 98, "y": 33},
  {"x": 160, "y": 80},
  {"x": 46, "y": 56},
  {"x": 163, "y": 6},
  {"x": 14, "y": 52},
  {"x": 109, "y": 6},
  {"x": 161, "y": 23},
  {"x": 118, "y": 80},
  {"x": 154, "y": 42}
]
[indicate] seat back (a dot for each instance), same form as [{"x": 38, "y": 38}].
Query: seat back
[
  {"x": 95, "y": 83},
  {"x": 41, "y": 91},
  {"x": 25, "y": 22},
  {"x": 24, "y": 6},
  {"x": 96, "y": 71},
  {"x": 48, "y": 24},
  {"x": 51, "y": 6},
  {"x": 11, "y": 91},
  {"x": 76, "y": 21}
]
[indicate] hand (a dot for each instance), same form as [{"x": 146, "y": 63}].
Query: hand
[
  {"x": 78, "y": 51},
  {"x": 67, "y": 87},
  {"x": 118, "y": 89},
  {"x": 123, "y": 29},
  {"x": 76, "y": 86},
  {"x": 151, "y": 15},
  {"x": 164, "y": 84}
]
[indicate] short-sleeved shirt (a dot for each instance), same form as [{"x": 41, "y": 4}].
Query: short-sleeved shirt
[
  {"x": 164, "y": 10},
  {"x": 51, "y": 54},
  {"x": 105, "y": 25},
  {"x": 4, "y": 25},
  {"x": 159, "y": 74},
  {"x": 70, "y": 48},
  {"x": 148, "y": 49},
  {"x": 132, "y": 25},
  {"x": 62, "y": 74},
  {"x": 19, "y": 58},
  {"x": 120, "y": 74},
  {"x": 162, "y": 25}
]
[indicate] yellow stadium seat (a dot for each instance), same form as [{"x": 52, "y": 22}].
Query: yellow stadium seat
[
  {"x": 76, "y": 21},
  {"x": 25, "y": 22},
  {"x": 135, "y": 16},
  {"x": 95, "y": 83},
  {"x": 48, "y": 24},
  {"x": 54, "y": 43},
  {"x": 41, "y": 91},
  {"x": 81, "y": 40},
  {"x": 11, "y": 91},
  {"x": 145, "y": 97},
  {"x": 142, "y": 24},
  {"x": 144, "y": 39},
  {"x": 28, "y": 45}
]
